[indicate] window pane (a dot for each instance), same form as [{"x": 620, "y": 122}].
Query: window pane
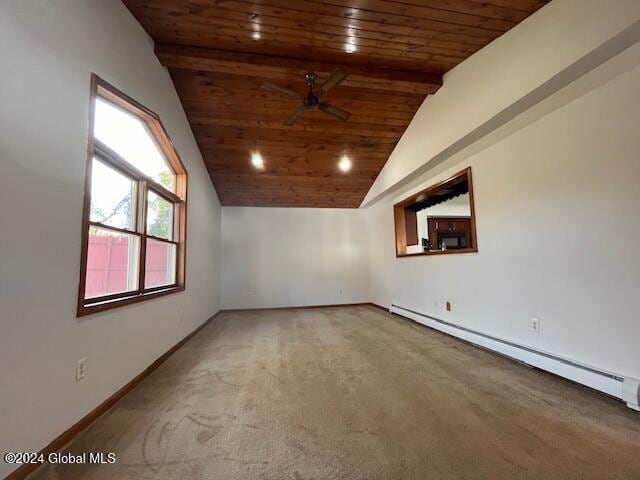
[
  {"x": 159, "y": 216},
  {"x": 112, "y": 263},
  {"x": 129, "y": 137},
  {"x": 112, "y": 197},
  {"x": 160, "y": 264}
]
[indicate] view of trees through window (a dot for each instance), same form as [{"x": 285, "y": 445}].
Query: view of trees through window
[
  {"x": 161, "y": 221},
  {"x": 122, "y": 208}
]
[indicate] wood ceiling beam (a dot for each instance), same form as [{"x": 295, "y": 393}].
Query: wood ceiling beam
[
  {"x": 251, "y": 134},
  {"x": 268, "y": 66}
]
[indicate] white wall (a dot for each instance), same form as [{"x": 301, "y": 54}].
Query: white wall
[
  {"x": 279, "y": 257},
  {"x": 49, "y": 50},
  {"x": 556, "y": 201},
  {"x": 456, "y": 207}
]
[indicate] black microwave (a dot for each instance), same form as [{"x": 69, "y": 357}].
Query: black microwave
[{"x": 452, "y": 241}]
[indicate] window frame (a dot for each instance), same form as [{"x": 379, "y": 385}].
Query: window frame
[
  {"x": 101, "y": 152},
  {"x": 400, "y": 222}
]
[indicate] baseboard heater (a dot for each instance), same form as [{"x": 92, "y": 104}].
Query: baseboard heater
[{"x": 625, "y": 388}]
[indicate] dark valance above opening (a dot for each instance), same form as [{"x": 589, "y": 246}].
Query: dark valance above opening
[{"x": 447, "y": 192}]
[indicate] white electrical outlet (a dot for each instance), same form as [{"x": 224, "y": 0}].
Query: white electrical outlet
[
  {"x": 535, "y": 324},
  {"x": 80, "y": 369}
]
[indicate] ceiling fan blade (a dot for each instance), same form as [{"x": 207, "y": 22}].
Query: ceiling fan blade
[
  {"x": 335, "y": 111},
  {"x": 336, "y": 77},
  {"x": 295, "y": 116},
  {"x": 272, "y": 87}
]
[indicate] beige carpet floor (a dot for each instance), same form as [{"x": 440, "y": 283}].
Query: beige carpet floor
[{"x": 353, "y": 393}]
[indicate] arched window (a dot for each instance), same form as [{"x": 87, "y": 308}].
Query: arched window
[{"x": 134, "y": 221}]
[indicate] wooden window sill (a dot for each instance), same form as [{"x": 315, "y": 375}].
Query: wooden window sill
[
  {"x": 103, "y": 305},
  {"x": 438, "y": 252}
]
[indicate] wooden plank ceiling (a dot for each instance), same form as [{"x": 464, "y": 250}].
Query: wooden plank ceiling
[{"x": 219, "y": 52}]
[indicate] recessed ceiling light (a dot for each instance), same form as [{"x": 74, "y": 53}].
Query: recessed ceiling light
[
  {"x": 257, "y": 161},
  {"x": 344, "y": 164},
  {"x": 256, "y": 35},
  {"x": 351, "y": 45}
]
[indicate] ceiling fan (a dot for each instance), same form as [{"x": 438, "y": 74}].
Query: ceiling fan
[{"x": 314, "y": 93}]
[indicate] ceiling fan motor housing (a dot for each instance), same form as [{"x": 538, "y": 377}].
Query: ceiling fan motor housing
[
  {"x": 311, "y": 78},
  {"x": 311, "y": 99}
]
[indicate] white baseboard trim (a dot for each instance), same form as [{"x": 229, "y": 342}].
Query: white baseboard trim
[{"x": 625, "y": 388}]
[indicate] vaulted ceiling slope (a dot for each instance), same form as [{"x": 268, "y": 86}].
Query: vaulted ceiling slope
[{"x": 219, "y": 53}]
